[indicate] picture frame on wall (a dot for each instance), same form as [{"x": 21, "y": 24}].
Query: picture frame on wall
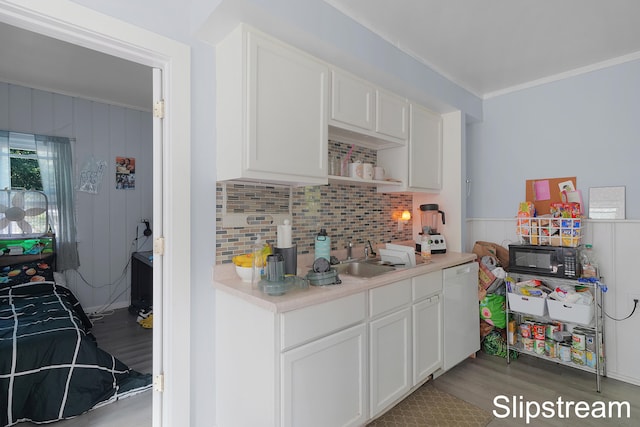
[
  {"x": 607, "y": 202},
  {"x": 125, "y": 173}
]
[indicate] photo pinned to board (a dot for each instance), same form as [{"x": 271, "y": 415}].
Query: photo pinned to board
[{"x": 125, "y": 173}]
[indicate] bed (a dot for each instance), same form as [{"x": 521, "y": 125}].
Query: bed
[{"x": 51, "y": 367}]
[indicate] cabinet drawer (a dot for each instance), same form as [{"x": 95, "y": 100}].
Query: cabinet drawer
[
  {"x": 426, "y": 284},
  {"x": 306, "y": 324},
  {"x": 389, "y": 297}
]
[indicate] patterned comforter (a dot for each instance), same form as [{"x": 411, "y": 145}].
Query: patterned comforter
[{"x": 50, "y": 365}]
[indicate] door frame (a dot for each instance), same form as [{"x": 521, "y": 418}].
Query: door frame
[{"x": 70, "y": 22}]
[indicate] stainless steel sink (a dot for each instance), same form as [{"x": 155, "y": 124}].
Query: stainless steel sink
[{"x": 363, "y": 269}]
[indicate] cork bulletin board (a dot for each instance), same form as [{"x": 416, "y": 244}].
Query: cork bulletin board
[{"x": 543, "y": 192}]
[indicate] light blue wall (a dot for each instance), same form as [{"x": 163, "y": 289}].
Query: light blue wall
[{"x": 587, "y": 126}]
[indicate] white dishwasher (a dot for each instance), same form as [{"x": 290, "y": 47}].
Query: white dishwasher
[{"x": 461, "y": 316}]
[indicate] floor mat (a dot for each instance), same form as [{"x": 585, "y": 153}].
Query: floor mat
[{"x": 428, "y": 406}]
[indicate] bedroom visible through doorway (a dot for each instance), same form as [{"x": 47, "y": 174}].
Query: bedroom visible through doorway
[
  {"x": 113, "y": 225},
  {"x": 75, "y": 24}
]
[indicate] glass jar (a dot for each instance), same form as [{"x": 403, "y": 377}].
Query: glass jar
[{"x": 335, "y": 166}]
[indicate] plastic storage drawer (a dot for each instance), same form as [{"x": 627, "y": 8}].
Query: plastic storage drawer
[
  {"x": 527, "y": 304},
  {"x": 571, "y": 313}
]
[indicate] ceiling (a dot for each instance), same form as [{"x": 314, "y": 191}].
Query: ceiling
[
  {"x": 486, "y": 46},
  {"x": 493, "y": 46},
  {"x": 41, "y": 62}
]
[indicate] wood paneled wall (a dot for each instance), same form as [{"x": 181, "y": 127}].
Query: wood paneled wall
[{"x": 107, "y": 221}]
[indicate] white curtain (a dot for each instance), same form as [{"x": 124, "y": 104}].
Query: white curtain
[{"x": 56, "y": 169}]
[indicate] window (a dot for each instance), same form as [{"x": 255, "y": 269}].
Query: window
[
  {"x": 36, "y": 162},
  {"x": 23, "y": 158},
  {"x": 26, "y": 212}
]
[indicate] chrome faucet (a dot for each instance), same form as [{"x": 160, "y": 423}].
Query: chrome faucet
[
  {"x": 366, "y": 252},
  {"x": 349, "y": 249}
]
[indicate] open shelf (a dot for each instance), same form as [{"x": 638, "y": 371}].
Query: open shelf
[
  {"x": 520, "y": 349},
  {"x": 360, "y": 181}
]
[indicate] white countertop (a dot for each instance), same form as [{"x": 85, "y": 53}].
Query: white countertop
[{"x": 226, "y": 279}]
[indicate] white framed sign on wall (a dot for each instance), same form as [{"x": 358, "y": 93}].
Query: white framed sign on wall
[{"x": 607, "y": 202}]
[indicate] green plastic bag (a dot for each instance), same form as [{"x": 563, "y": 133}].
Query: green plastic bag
[
  {"x": 492, "y": 310},
  {"x": 496, "y": 345}
]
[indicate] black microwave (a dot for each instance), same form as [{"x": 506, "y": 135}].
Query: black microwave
[{"x": 555, "y": 261}]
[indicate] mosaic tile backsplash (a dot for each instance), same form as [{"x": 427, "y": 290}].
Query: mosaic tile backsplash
[{"x": 348, "y": 212}]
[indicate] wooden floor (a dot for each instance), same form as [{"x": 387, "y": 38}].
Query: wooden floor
[
  {"x": 480, "y": 380},
  {"x": 477, "y": 381},
  {"x": 120, "y": 335}
]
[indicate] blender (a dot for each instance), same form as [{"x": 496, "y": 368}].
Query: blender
[{"x": 430, "y": 215}]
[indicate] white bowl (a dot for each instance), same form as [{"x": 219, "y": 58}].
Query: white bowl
[{"x": 244, "y": 273}]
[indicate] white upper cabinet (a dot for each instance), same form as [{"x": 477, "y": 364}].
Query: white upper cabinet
[
  {"x": 366, "y": 115},
  {"x": 418, "y": 164},
  {"x": 351, "y": 101},
  {"x": 425, "y": 149},
  {"x": 391, "y": 115},
  {"x": 272, "y": 103},
  {"x": 277, "y": 107}
]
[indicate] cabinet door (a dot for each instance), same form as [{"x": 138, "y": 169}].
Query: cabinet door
[
  {"x": 425, "y": 149},
  {"x": 392, "y": 115},
  {"x": 323, "y": 382},
  {"x": 287, "y": 110},
  {"x": 351, "y": 101},
  {"x": 427, "y": 338},
  {"x": 390, "y": 353}
]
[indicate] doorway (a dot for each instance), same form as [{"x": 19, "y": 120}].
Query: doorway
[{"x": 171, "y": 203}]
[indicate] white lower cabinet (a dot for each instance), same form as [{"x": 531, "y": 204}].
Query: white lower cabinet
[
  {"x": 427, "y": 338},
  {"x": 305, "y": 367},
  {"x": 323, "y": 364},
  {"x": 338, "y": 363},
  {"x": 405, "y": 337},
  {"x": 427, "y": 325},
  {"x": 322, "y": 382},
  {"x": 390, "y": 358}
]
